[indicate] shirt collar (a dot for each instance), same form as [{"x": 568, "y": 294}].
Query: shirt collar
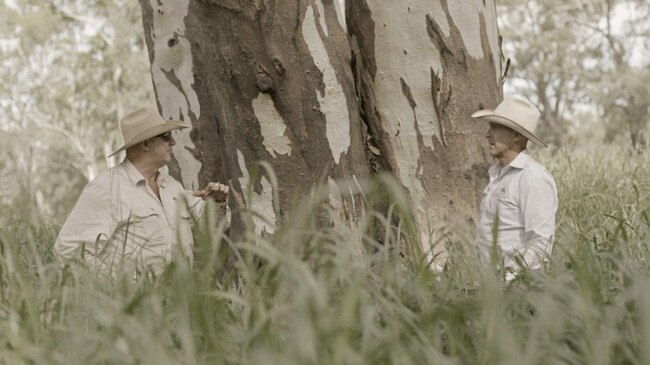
[
  {"x": 518, "y": 163},
  {"x": 521, "y": 160},
  {"x": 161, "y": 179},
  {"x": 132, "y": 172},
  {"x": 136, "y": 177}
]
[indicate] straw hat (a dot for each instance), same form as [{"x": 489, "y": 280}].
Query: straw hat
[
  {"x": 143, "y": 124},
  {"x": 517, "y": 114}
]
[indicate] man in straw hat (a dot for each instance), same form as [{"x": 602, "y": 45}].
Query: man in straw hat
[
  {"x": 520, "y": 201},
  {"x": 131, "y": 216}
]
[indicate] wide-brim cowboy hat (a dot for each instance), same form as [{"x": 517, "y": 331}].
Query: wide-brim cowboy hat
[
  {"x": 143, "y": 124},
  {"x": 517, "y": 114}
]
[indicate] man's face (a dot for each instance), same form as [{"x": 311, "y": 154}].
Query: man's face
[
  {"x": 161, "y": 148},
  {"x": 501, "y": 140}
]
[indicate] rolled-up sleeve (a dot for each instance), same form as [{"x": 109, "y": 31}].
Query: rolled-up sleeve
[
  {"x": 197, "y": 207},
  {"x": 89, "y": 225}
]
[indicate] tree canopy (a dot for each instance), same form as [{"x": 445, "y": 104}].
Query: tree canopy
[
  {"x": 69, "y": 70},
  {"x": 581, "y": 61}
]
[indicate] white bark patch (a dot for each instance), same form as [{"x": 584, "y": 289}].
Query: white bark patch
[
  {"x": 321, "y": 17},
  {"x": 404, "y": 50},
  {"x": 333, "y": 104},
  {"x": 490, "y": 16},
  {"x": 335, "y": 198},
  {"x": 272, "y": 125},
  {"x": 188, "y": 164},
  {"x": 172, "y": 56},
  {"x": 340, "y": 14},
  {"x": 345, "y": 223},
  {"x": 261, "y": 203},
  {"x": 466, "y": 15},
  {"x": 440, "y": 17}
]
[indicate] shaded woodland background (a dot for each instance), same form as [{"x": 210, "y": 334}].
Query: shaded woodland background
[{"x": 71, "y": 69}]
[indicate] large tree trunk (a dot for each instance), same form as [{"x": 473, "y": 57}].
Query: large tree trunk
[
  {"x": 422, "y": 68},
  {"x": 275, "y": 81}
]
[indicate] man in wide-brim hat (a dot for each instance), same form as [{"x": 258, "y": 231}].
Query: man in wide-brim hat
[
  {"x": 133, "y": 216},
  {"x": 520, "y": 200}
]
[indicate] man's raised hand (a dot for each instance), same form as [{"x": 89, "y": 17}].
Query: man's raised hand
[{"x": 217, "y": 191}]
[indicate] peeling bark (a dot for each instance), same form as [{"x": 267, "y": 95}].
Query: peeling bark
[
  {"x": 273, "y": 83},
  {"x": 422, "y": 68},
  {"x": 173, "y": 78},
  {"x": 323, "y": 91}
]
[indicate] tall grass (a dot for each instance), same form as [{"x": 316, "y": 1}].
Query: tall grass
[{"x": 314, "y": 294}]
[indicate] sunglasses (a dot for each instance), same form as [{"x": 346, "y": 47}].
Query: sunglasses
[{"x": 167, "y": 136}]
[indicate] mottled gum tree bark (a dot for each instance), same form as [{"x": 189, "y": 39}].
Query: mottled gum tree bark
[
  {"x": 422, "y": 67},
  {"x": 291, "y": 84},
  {"x": 258, "y": 80}
]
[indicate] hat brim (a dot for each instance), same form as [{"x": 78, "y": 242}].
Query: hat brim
[
  {"x": 170, "y": 125},
  {"x": 491, "y": 116}
]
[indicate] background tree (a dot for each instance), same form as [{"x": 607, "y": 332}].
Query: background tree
[
  {"x": 327, "y": 90},
  {"x": 580, "y": 58},
  {"x": 624, "y": 40},
  {"x": 69, "y": 70}
]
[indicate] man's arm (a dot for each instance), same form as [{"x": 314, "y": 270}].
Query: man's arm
[
  {"x": 539, "y": 204},
  {"x": 216, "y": 192},
  {"x": 89, "y": 225}
]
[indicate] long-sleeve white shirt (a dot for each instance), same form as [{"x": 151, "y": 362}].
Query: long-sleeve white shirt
[
  {"x": 122, "y": 225},
  {"x": 524, "y": 196}
]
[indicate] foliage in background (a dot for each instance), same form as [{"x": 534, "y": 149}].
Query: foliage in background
[
  {"x": 69, "y": 70},
  {"x": 584, "y": 63},
  {"x": 309, "y": 294}
]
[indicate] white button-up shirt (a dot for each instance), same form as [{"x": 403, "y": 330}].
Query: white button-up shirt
[
  {"x": 524, "y": 197},
  {"x": 121, "y": 224}
]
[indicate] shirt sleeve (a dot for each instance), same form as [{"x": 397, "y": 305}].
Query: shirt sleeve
[
  {"x": 89, "y": 225},
  {"x": 539, "y": 204},
  {"x": 197, "y": 207}
]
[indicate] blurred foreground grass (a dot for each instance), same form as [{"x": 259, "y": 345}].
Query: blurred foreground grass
[{"x": 309, "y": 295}]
